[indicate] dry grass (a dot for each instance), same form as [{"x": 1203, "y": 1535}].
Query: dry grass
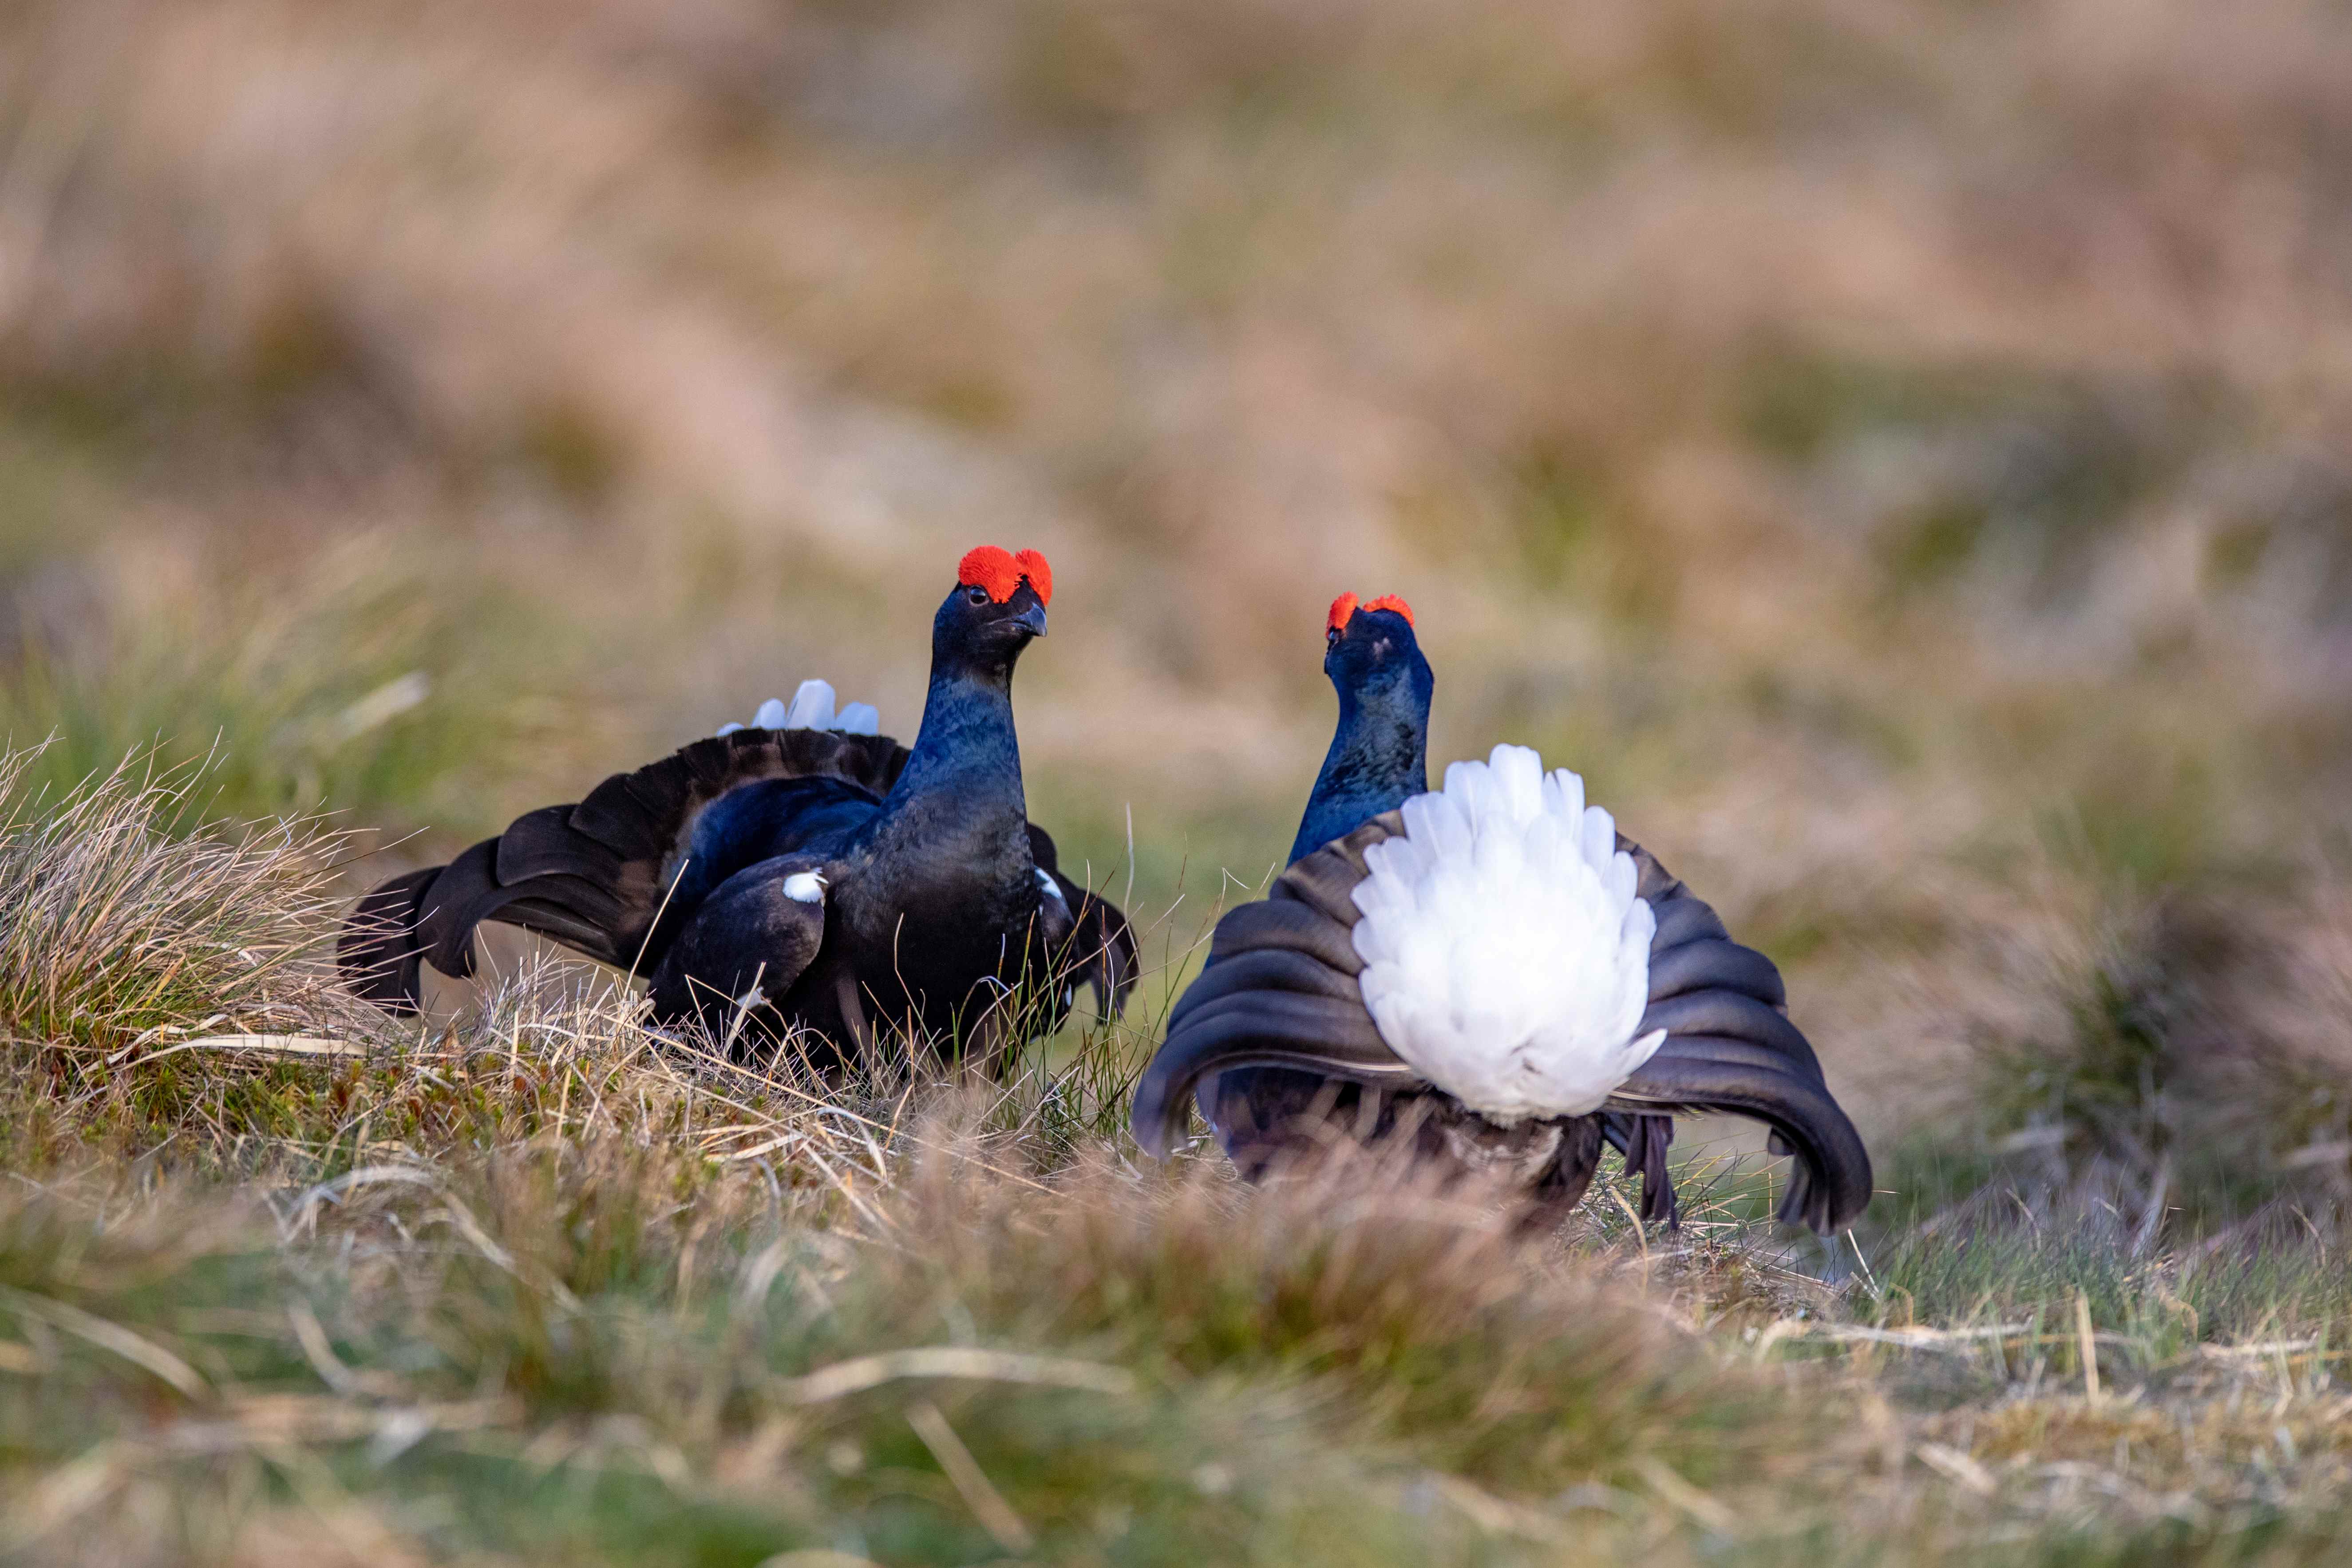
[
  {"x": 535, "y": 1283},
  {"x": 1894, "y": 453},
  {"x": 120, "y": 927}
]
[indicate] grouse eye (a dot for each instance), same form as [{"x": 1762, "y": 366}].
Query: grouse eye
[
  {"x": 975, "y": 595},
  {"x": 1331, "y": 637}
]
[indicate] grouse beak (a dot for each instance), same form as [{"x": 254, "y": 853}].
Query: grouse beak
[{"x": 1032, "y": 620}]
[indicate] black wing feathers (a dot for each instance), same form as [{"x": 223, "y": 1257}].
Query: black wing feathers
[
  {"x": 1735, "y": 1016},
  {"x": 1682, "y": 918},
  {"x": 1100, "y": 951},
  {"x": 725, "y": 970},
  {"x": 601, "y": 876},
  {"x": 1333, "y": 1036},
  {"x": 594, "y": 875},
  {"x": 1325, "y": 883},
  {"x": 1288, "y": 924},
  {"x": 1266, "y": 969},
  {"x": 466, "y": 892}
]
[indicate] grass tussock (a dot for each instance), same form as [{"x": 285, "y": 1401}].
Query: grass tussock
[
  {"x": 2158, "y": 1066},
  {"x": 120, "y": 927},
  {"x": 1418, "y": 1304}
]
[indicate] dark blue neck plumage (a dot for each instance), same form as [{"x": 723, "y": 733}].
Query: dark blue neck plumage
[
  {"x": 1379, "y": 758},
  {"x": 967, "y": 744}
]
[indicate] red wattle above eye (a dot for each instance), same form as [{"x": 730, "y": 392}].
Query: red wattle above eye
[
  {"x": 990, "y": 569},
  {"x": 1041, "y": 576},
  {"x": 997, "y": 572}
]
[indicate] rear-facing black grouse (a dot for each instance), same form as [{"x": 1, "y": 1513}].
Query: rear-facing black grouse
[
  {"x": 1491, "y": 975},
  {"x": 808, "y": 878}
]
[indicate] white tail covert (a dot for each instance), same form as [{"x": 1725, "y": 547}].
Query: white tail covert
[{"x": 1506, "y": 956}]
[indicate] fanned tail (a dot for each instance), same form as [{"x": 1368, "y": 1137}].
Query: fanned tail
[{"x": 1280, "y": 991}]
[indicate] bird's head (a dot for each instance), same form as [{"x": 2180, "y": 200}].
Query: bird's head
[
  {"x": 996, "y": 608},
  {"x": 1370, "y": 648}
]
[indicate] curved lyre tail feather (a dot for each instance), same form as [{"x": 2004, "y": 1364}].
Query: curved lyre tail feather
[
  {"x": 1278, "y": 990},
  {"x": 378, "y": 952},
  {"x": 1731, "y": 1049},
  {"x": 1332, "y": 1038},
  {"x": 592, "y": 876},
  {"x": 1829, "y": 1181}
]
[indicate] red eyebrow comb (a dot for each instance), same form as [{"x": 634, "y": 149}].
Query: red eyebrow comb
[
  {"x": 999, "y": 571},
  {"x": 1041, "y": 576}
]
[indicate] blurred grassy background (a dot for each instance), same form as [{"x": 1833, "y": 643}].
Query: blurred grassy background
[{"x": 1895, "y": 451}]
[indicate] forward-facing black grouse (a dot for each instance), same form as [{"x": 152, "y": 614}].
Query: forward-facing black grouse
[
  {"x": 803, "y": 876},
  {"x": 1492, "y": 975}
]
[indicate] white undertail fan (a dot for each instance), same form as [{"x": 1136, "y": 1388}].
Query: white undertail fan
[{"x": 1507, "y": 954}]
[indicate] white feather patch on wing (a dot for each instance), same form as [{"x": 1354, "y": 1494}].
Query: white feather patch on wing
[
  {"x": 1053, "y": 888},
  {"x": 1506, "y": 958},
  {"x": 805, "y": 888}
]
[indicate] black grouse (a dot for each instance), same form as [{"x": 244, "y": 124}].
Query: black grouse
[
  {"x": 802, "y": 878},
  {"x": 1490, "y": 975}
]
